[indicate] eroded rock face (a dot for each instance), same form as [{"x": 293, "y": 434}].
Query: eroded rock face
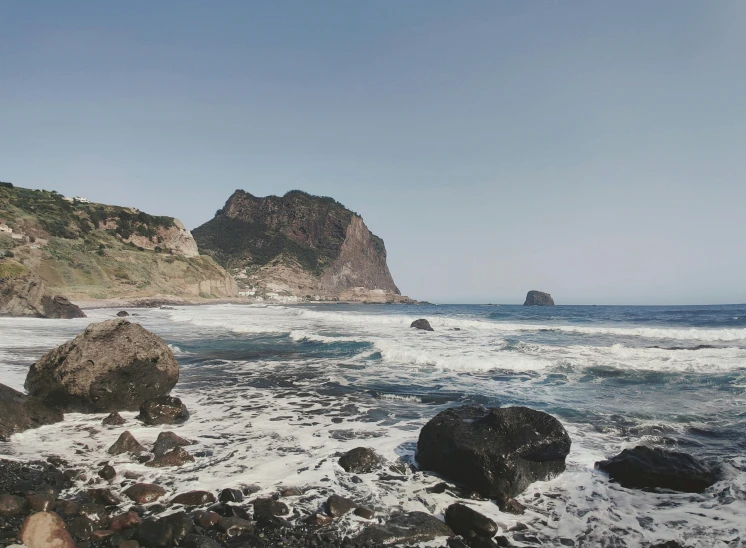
[
  {"x": 497, "y": 452},
  {"x": 45, "y": 530},
  {"x": 163, "y": 410},
  {"x": 538, "y": 298},
  {"x": 112, "y": 366},
  {"x": 422, "y": 324},
  {"x": 19, "y": 412},
  {"x": 652, "y": 467},
  {"x": 26, "y": 295}
]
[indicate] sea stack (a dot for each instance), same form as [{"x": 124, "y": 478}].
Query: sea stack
[{"x": 538, "y": 298}]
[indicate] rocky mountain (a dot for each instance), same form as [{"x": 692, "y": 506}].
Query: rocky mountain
[
  {"x": 93, "y": 251},
  {"x": 298, "y": 246}
]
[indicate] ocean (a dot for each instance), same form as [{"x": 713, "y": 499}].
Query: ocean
[{"x": 276, "y": 393}]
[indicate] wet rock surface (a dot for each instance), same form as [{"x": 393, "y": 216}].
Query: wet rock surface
[
  {"x": 19, "y": 412},
  {"x": 163, "y": 410},
  {"x": 652, "y": 467},
  {"x": 410, "y": 528},
  {"x": 466, "y": 521},
  {"x": 113, "y": 419},
  {"x": 497, "y": 452},
  {"x": 143, "y": 493},
  {"x": 126, "y": 443},
  {"x": 361, "y": 460},
  {"x": 422, "y": 324},
  {"x": 112, "y": 366}
]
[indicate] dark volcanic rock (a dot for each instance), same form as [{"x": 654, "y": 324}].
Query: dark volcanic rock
[
  {"x": 269, "y": 507},
  {"x": 497, "y": 452},
  {"x": 125, "y": 521},
  {"x": 113, "y": 419},
  {"x": 167, "y": 441},
  {"x": 365, "y": 512},
  {"x": 175, "y": 457},
  {"x": 41, "y": 502},
  {"x": 60, "y": 307},
  {"x": 410, "y": 528},
  {"x": 465, "y": 521},
  {"x": 143, "y": 493},
  {"x": 19, "y": 412},
  {"x": 80, "y": 528},
  {"x": 230, "y": 495},
  {"x": 422, "y": 324},
  {"x": 538, "y": 298},
  {"x": 107, "y": 472},
  {"x": 126, "y": 443},
  {"x": 10, "y": 505},
  {"x": 181, "y": 524},
  {"x": 163, "y": 410},
  {"x": 199, "y": 541},
  {"x": 361, "y": 460},
  {"x": 194, "y": 498},
  {"x": 112, "y": 366},
  {"x": 122, "y": 314},
  {"x": 649, "y": 468},
  {"x": 155, "y": 534},
  {"x": 233, "y": 526},
  {"x": 104, "y": 496},
  {"x": 337, "y": 506}
]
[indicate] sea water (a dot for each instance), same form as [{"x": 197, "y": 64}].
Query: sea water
[{"x": 277, "y": 393}]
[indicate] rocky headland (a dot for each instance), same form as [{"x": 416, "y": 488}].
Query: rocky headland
[{"x": 298, "y": 247}]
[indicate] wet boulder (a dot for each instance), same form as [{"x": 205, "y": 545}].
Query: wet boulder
[
  {"x": 410, "y": 528},
  {"x": 112, "y": 366},
  {"x": 361, "y": 460},
  {"x": 126, "y": 443},
  {"x": 269, "y": 507},
  {"x": 538, "y": 298},
  {"x": 122, "y": 314},
  {"x": 113, "y": 419},
  {"x": 652, "y": 467},
  {"x": 175, "y": 457},
  {"x": 155, "y": 534},
  {"x": 144, "y": 493},
  {"x": 337, "y": 506},
  {"x": 163, "y": 410},
  {"x": 167, "y": 441},
  {"x": 19, "y": 412},
  {"x": 466, "y": 521},
  {"x": 497, "y": 452},
  {"x": 60, "y": 307},
  {"x": 422, "y": 324},
  {"x": 10, "y": 506},
  {"x": 194, "y": 498},
  {"x": 45, "y": 530}
]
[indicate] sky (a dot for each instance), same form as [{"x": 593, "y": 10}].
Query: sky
[{"x": 593, "y": 150}]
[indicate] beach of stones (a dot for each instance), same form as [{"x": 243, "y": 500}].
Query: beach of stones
[{"x": 473, "y": 453}]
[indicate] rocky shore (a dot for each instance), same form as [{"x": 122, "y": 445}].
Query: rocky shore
[{"x": 474, "y": 454}]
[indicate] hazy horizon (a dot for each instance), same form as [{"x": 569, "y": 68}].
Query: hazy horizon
[{"x": 588, "y": 150}]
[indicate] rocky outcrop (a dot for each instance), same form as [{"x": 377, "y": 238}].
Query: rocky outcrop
[
  {"x": 538, "y": 298},
  {"x": 26, "y": 295},
  {"x": 652, "y": 468},
  {"x": 497, "y": 452},
  {"x": 19, "y": 412},
  {"x": 163, "y": 410},
  {"x": 422, "y": 324},
  {"x": 112, "y": 366},
  {"x": 298, "y": 245}
]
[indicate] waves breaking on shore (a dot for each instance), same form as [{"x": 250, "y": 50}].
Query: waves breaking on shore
[{"x": 277, "y": 393}]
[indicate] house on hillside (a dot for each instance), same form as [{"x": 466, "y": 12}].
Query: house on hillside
[{"x": 81, "y": 200}]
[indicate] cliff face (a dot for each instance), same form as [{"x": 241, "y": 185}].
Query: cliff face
[
  {"x": 98, "y": 251},
  {"x": 297, "y": 245}
]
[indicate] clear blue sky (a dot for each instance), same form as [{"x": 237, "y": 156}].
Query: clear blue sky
[{"x": 595, "y": 150}]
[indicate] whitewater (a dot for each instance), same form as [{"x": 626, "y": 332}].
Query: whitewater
[{"x": 277, "y": 393}]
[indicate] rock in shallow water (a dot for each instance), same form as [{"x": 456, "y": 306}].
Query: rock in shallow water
[
  {"x": 163, "y": 410},
  {"x": 361, "y": 460},
  {"x": 194, "y": 498},
  {"x": 143, "y": 493},
  {"x": 112, "y": 366},
  {"x": 126, "y": 443},
  {"x": 19, "y": 412},
  {"x": 410, "y": 528},
  {"x": 650, "y": 468},
  {"x": 175, "y": 457},
  {"x": 167, "y": 441},
  {"x": 422, "y": 324},
  {"x": 497, "y": 452},
  {"x": 337, "y": 506},
  {"x": 466, "y": 521}
]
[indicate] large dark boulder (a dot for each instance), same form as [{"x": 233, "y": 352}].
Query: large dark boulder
[
  {"x": 60, "y": 307},
  {"x": 19, "y": 412},
  {"x": 112, "y": 366},
  {"x": 497, "y": 452},
  {"x": 652, "y": 467},
  {"x": 422, "y": 324},
  {"x": 538, "y": 298},
  {"x": 163, "y": 410},
  {"x": 361, "y": 460},
  {"x": 467, "y": 522}
]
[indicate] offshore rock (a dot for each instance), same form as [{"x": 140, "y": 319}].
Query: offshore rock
[
  {"x": 422, "y": 324},
  {"x": 497, "y": 452},
  {"x": 538, "y": 298},
  {"x": 650, "y": 468},
  {"x": 112, "y": 366},
  {"x": 19, "y": 412}
]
